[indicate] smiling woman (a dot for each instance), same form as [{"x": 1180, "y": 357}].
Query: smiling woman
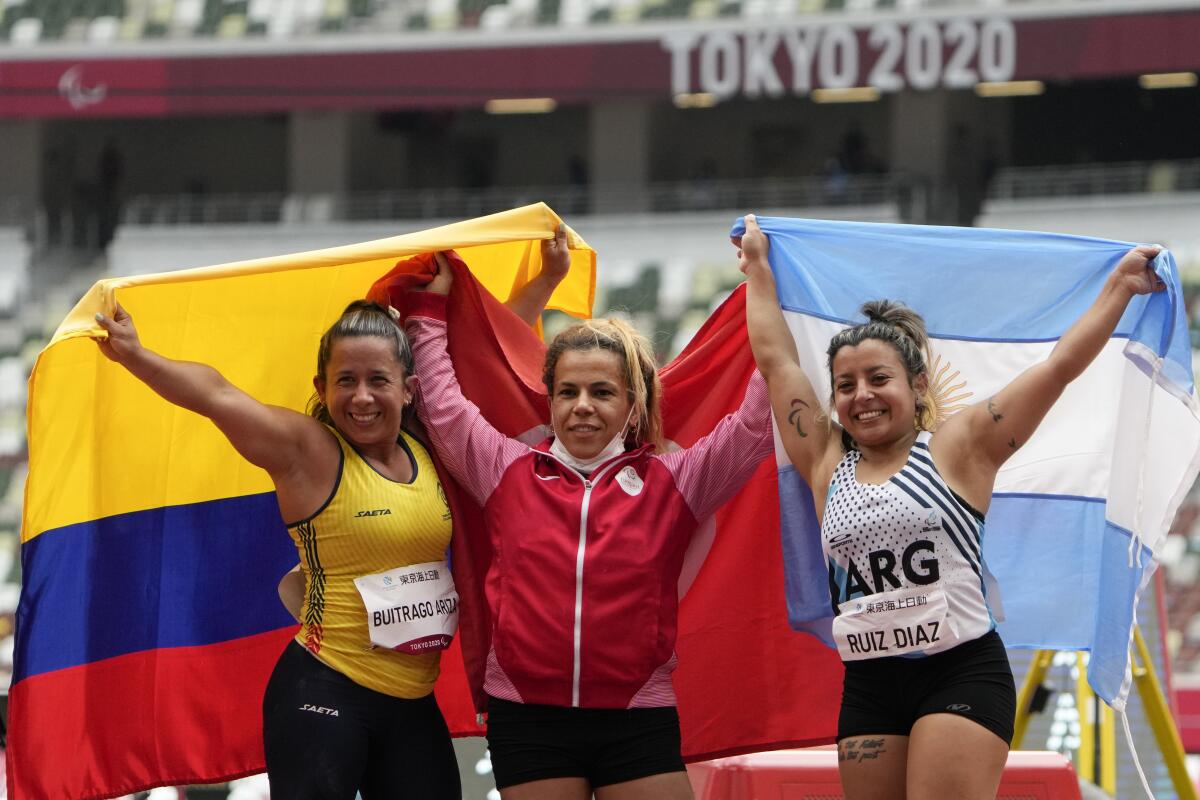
[
  {"x": 589, "y": 405},
  {"x": 364, "y": 383},
  {"x": 349, "y": 706},
  {"x": 604, "y": 391},
  {"x": 589, "y": 530}
]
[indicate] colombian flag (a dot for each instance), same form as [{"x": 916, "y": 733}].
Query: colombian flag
[{"x": 149, "y": 621}]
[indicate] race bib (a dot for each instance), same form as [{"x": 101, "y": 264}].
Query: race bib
[
  {"x": 895, "y": 623},
  {"x": 411, "y": 609}
]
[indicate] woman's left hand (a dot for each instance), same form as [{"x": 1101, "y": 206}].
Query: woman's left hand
[
  {"x": 1135, "y": 274},
  {"x": 556, "y": 256}
]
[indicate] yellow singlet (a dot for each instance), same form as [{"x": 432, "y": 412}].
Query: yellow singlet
[{"x": 370, "y": 524}]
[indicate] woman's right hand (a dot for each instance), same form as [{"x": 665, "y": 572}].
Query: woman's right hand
[
  {"x": 752, "y": 246},
  {"x": 444, "y": 279},
  {"x": 122, "y": 343}
]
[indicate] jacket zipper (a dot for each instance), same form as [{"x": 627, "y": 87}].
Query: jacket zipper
[
  {"x": 578, "y": 642},
  {"x": 588, "y": 484}
]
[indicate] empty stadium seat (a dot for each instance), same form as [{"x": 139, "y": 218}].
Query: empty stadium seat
[
  {"x": 28, "y": 22},
  {"x": 26, "y": 31}
]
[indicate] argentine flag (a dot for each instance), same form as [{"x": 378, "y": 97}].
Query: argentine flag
[{"x": 1081, "y": 510}]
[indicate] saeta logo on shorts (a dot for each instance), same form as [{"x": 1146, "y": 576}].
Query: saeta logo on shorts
[
  {"x": 958, "y": 708},
  {"x": 329, "y": 712}
]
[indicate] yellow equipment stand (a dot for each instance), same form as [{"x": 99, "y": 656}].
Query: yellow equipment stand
[{"x": 1097, "y": 738}]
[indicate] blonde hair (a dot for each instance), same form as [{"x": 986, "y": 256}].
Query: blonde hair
[
  {"x": 633, "y": 350},
  {"x": 904, "y": 329}
]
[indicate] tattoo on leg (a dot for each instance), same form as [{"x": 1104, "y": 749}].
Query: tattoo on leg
[
  {"x": 996, "y": 415},
  {"x": 794, "y": 417},
  {"x": 860, "y": 749}
]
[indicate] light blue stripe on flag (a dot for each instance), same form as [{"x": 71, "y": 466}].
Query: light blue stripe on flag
[{"x": 975, "y": 283}]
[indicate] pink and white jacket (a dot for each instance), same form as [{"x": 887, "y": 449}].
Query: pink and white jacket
[{"x": 583, "y": 585}]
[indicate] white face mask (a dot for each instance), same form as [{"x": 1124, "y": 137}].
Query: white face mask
[{"x": 615, "y": 447}]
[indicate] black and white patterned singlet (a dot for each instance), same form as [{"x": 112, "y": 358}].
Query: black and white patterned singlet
[{"x": 900, "y": 542}]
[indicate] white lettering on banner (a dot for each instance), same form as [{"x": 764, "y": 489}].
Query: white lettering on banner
[
  {"x": 888, "y": 39},
  {"x": 680, "y": 45},
  {"x": 761, "y": 77},
  {"x": 719, "y": 64},
  {"x": 963, "y": 38},
  {"x": 802, "y": 48},
  {"x": 997, "y": 50},
  {"x": 924, "y": 54},
  {"x": 837, "y": 58}
]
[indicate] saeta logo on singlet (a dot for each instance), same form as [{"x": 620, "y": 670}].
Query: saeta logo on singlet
[{"x": 375, "y": 512}]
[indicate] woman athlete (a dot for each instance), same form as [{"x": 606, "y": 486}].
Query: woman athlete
[
  {"x": 589, "y": 530},
  {"x": 928, "y": 700}
]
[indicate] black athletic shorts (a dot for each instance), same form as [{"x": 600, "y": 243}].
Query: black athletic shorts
[
  {"x": 602, "y": 745},
  {"x": 327, "y": 738},
  {"x": 882, "y": 696}
]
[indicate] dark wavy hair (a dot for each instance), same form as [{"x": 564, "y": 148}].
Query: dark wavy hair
[
  {"x": 361, "y": 318},
  {"x": 904, "y": 329}
]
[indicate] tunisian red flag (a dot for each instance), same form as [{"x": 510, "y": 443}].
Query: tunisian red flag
[{"x": 746, "y": 681}]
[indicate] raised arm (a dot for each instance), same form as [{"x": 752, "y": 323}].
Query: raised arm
[
  {"x": 986, "y": 434},
  {"x": 809, "y": 438},
  {"x": 474, "y": 452},
  {"x": 713, "y": 469},
  {"x": 529, "y": 303},
  {"x": 273, "y": 438}
]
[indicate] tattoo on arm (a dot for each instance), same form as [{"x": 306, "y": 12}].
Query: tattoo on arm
[
  {"x": 794, "y": 416},
  {"x": 996, "y": 415}
]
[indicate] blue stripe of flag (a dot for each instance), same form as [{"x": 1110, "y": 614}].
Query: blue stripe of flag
[{"x": 167, "y": 577}]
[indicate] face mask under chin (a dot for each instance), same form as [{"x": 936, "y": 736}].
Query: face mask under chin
[{"x": 615, "y": 447}]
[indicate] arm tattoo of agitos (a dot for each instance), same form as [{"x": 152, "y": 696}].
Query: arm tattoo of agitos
[
  {"x": 794, "y": 416},
  {"x": 996, "y": 415}
]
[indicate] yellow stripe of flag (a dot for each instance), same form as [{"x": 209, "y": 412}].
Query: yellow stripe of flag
[{"x": 101, "y": 443}]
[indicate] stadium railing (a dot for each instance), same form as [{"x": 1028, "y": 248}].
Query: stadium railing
[
  {"x": 459, "y": 202},
  {"x": 1096, "y": 179},
  {"x": 1014, "y": 183}
]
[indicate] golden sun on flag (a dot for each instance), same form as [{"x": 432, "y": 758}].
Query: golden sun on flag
[{"x": 946, "y": 390}]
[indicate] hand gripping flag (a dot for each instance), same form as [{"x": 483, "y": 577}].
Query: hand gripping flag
[
  {"x": 149, "y": 622},
  {"x": 1081, "y": 509}
]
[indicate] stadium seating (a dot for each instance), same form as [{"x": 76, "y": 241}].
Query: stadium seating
[{"x": 28, "y": 22}]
